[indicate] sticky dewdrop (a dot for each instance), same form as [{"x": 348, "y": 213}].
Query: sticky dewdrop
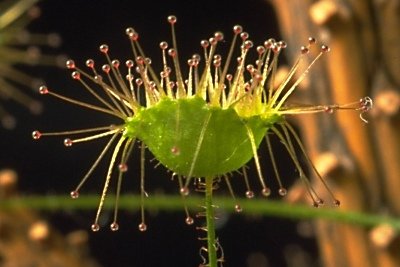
[{"x": 202, "y": 123}]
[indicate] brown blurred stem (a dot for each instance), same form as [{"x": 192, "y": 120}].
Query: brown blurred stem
[{"x": 364, "y": 37}]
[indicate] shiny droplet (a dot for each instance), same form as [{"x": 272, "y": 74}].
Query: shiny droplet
[
  {"x": 260, "y": 50},
  {"x": 74, "y": 194},
  {"x": 70, "y": 64},
  {"x": 266, "y": 192},
  {"x": 328, "y": 109},
  {"x": 237, "y": 29},
  {"x": 104, "y": 48},
  {"x": 238, "y": 208},
  {"x": 75, "y": 75},
  {"x": 171, "y": 52},
  {"x": 189, "y": 220},
  {"x": 106, "y": 68},
  {"x": 219, "y": 36},
  {"x": 129, "y": 63},
  {"x": 282, "y": 44},
  {"x": 244, "y": 36},
  {"x": 123, "y": 167},
  {"x": 90, "y": 63},
  {"x": 129, "y": 31},
  {"x": 142, "y": 227},
  {"x": 336, "y": 202},
  {"x": 248, "y": 44},
  {"x": 320, "y": 202},
  {"x": 249, "y": 194},
  {"x": 43, "y": 90},
  {"x": 204, "y": 43},
  {"x": 115, "y": 63},
  {"x": 304, "y": 50},
  {"x": 184, "y": 191},
  {"x": 268, "y": 43},
  {"x": 172, "y": 19},
  {"x": 175, "y": 150},
  {"x": 67, "y": 142},
  {"x": 163, "y": 45},
  {"x": 36, "y": 135},
  {"x": 325, "y": 48},
  {"x": 114, "y": 226},
  {"x": 95, "y": 227},
  {"x": 282, "y": 191}
]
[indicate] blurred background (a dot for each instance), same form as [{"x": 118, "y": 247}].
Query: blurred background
[{"x": 360, "y": 161}]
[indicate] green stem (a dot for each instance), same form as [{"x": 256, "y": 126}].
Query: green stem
[
  {"x": 210, "y": 217},
  {"x": 170, "y": 203}
]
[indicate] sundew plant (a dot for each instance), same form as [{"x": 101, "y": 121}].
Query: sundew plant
[
  {"x": 19, "y": 47},
  {"x": 203, "y": 119}
]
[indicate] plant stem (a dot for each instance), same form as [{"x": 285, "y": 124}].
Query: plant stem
[
  {"x": 210, "y": 217},
  {"x": 170, "y": 203}
]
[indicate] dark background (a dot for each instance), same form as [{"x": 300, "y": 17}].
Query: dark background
[{"x": 46, "y": 166}]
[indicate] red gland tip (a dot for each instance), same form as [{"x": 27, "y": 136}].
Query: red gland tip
[
  {"x": 74, "y": 194},
  {"x": 237, "y": 29},
  {"x": 325, "y": 48},
  {"x": 43, "y": 90},
  {"x": 244, "y": 36},
  {"x": 269, "y": 43},
  {"x": 175, "y": 150},
  {"x": 219, "y": 36},
  {"x": 129, "y": 31},
  {"x": 115, "y": 63},
  {"x": 114, "y": 226},
  {"x": 336, "y": 202},
  {"x": 139, "y": 60},
  {"x": 311, "y": 40},
  {"x": 123, "y": 167},
  {"x": 191, "y": 62},
  {"x": 129, "y": 63},
  {"x": 163, "y": 45},
  {"x": 142, "y": 227},
  {"x": 172, "y": 52},
  {"x": 95, "y": 227},
  {"x": 36, "y": 135},
  {"x": 260, "y": 49},
  {"x": 106, "y": 68},
  {"x": 70, "y": 64},
  {"x": 139, "y": 82},
  {"x": 204, "y": 43},
  {"x": 184, "y": 191},
  {"x": 282, "y": 44},
  {"x": 189, "y": 220},
  {"x": 172, "y": 19},
  {"x": 248, "y": 44},
  {"x": 68, "y": 142},
  {"x": 76, "y": 75},
  {"x": 266, "y": 191},
  {"x": 90, "y": 63},
  {"x": 249, "y": 194},
  {"x": 213, "y": 41},
  {"x": 133, "y": 35},
  {"x": 304, "y": 50},
  {"x": 282, "y": 191},
  {"x": 238, "y": 208},
  {"x": 103, "y": 48},
  {"x": 276, "y": 48}
]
